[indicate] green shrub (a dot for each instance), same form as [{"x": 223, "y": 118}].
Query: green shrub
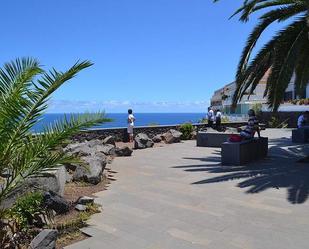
[
  {"x": 257, "y": 108},
  {"x": 27, "y": 210},
  {"x": 225, "y": 119},
  {"x": 186, "y": 130},
  {"x": 276, "y": 123},
  {"x": 203, "y": 121}
]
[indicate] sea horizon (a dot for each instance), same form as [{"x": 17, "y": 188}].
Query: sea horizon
[{"x": 120, "y": 119}]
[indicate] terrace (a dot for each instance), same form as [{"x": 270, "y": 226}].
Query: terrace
[{"x": 180, "y": 196}]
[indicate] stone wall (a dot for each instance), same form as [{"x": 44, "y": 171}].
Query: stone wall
[
  {"x": 120, "y": 134},
  {"x": 289, "y": 117}
]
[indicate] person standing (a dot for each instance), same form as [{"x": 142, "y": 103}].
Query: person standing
[
  {"x": 210, "y": 117},
  {"x": 218, "y": 119},
  {"x": 130, "y": 120}
]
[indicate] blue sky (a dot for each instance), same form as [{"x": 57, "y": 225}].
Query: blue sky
[{"x": 153, "y": 56}]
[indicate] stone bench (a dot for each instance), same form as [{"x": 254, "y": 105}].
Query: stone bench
[
  {"x": 300, "y": 135},
  {"x": 244, "y": 152},
  {"x": 211, "y": 139}
]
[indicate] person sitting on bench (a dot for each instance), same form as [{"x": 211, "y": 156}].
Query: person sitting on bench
[
  {"x": 251, "y": 127},
  {"x": 303, "y": 120}
]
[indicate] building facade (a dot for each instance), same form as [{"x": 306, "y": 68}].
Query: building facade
[{"x": 223, "y": 97}]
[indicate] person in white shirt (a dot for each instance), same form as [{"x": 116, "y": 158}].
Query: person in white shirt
[
  {"x": 218, "y": 119},
  {"x": 303, "y": 120},
  {"x": 130, "y": 120},
  {"x": 210, "y": 117}
]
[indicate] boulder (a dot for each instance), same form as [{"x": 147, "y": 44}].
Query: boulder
[
  {"x": 142, "y": 141},
  {"x": 55, "y": 202},
  {"x": 92, "y": 172},
  {"x": 46, "y": 239},
  {"x": 94, "y": 142},
  {"x": 51, "y": 180},
  {"x": 100, "y": 155},
  {"x": 69, "y": 177},
  {"x": 84, "y": 200},
  {"x": 123, "y": 151},
  {"x": 79, "y": 149},
  {"x": 109, "y": 140},
  {"x": 157, "y": 138},
  {"x": 107, "y": 149},
  {"x": 80, "y": 207},
  {"x": 193, "y": 135},
  {"x": 172, "y": 136}
]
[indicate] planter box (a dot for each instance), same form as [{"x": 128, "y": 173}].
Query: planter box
[
  {"x": 244, "y": 152},
  {"x": 300, "y": 135},
  {"x": 211, "y": 139}
]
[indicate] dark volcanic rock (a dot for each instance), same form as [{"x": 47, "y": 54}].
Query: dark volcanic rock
[
  {"x": 107, "y": 149},
  {"x": 52, "y": 180},
  {"x": 124, "y": 151},
  {"x": 45, "y": 240},
  {"x": 142, "y": 141},
  {"x": 109, "y": 140},
  {"x": 56, "y": 202},
  {"x": 92, "y": 172},
  {"x": 157, "y": 138},
  {"x": 172, "y": 136},
  {"x": 84, "y": 200}
]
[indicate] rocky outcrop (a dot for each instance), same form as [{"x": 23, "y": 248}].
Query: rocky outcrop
[
  {"x": 45, "y": 240},
  {"x": 142, "y": 141},
  {"x": 172, "y": 136},
  {"x": 124, "y": 151}
]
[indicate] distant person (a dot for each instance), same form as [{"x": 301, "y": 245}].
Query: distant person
[
  {"x": 130, "y": 120},
  {"x": 210, "y": 117},
  {"x": 252, "y": 127},
  {"x": 218, "y": 119},
  {"x": 303, "y": 120}
]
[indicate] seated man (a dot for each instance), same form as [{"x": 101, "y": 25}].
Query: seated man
[
  {"x": 251, "y": 127},
  {"x": 303, "y": 120}
]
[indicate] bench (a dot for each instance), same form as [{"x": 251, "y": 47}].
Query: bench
[
  {"x": 244, "y": 152},
  {"x": 211, "y": 139},
  {"x": 300, "y": 135}
]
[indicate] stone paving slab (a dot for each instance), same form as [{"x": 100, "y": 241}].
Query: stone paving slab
[{"x": 180, "y": 197}]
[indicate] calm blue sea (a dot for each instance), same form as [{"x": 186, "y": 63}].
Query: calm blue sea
[{"x": 142, "y": 119}]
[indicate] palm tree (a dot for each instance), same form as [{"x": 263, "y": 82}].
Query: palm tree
[
  {"x": 25, "y": 89},
  {"x": 285, "y": 54}
]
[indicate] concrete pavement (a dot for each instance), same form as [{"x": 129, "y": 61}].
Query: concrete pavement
[{"x": 180, "y": 197}]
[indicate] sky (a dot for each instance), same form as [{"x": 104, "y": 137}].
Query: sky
[{"x": 149, "y": 55}]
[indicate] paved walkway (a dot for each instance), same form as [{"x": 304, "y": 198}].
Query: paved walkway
[{"x": 180, "y": 197}]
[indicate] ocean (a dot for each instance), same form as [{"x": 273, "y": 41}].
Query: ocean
[{"x": 142, "y": 119}]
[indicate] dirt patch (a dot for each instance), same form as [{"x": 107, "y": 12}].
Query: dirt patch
[{"x": 72, "y": 192}]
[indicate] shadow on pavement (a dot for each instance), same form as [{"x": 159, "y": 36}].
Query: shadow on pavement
[{"x": 280, "y": 170}]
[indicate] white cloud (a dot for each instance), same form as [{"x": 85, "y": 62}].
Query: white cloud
[{"x": 60, "y": 106}]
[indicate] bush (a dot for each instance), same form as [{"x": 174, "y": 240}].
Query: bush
[
  {"x": 257, "y": 108},
  {"x": 203, "y": 121},
  {"x": 225, "y": 119},
  {"x": 276, "y": 123},
  {"x": 28, "y": 211},
  {"x": 186, "y": 130}
]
